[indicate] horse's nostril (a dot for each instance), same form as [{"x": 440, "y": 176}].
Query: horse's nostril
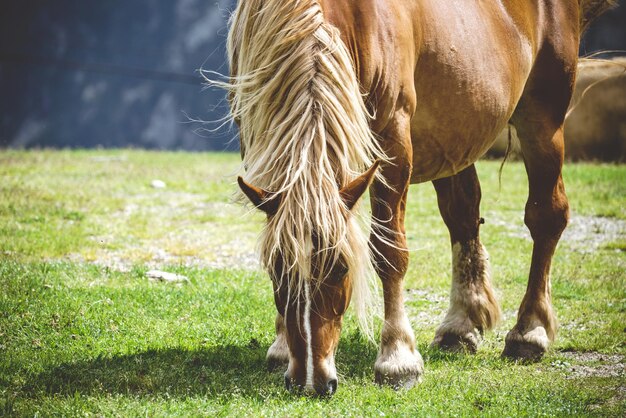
[
  {"x": 288, "y": 383},
  {"x": 331, "y": 387}
]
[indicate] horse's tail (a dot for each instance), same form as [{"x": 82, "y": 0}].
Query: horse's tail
[
  {"x": 590, "y": 10},
  {"x": 304, "y": 130}
]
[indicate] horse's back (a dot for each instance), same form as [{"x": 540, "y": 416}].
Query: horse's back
[{"x": 458, "y": 67}]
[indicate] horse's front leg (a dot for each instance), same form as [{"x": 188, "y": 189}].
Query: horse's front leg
[
  {"x": 473, "y": 307},
  {"x": 278, "y": 353},
  {"x": 399, "y": 363}
]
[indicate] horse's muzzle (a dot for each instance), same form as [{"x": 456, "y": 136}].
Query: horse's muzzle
[
  {"x": 329, "y": 389},
  {"x": 326, "y": 389}
]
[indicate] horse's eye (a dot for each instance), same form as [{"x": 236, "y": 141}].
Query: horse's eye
[{"x": 339, "y": 272}]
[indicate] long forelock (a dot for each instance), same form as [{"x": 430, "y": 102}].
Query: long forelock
[{"x": 304, "y": 132}]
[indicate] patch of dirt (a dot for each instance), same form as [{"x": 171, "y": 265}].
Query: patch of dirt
[
  {"x": 184, "y": 228},
  {"x": 588, "y": 233},
  {"x": 581, "y": 324},
  {"x": 591, "y": 364},
  {"x": 584, "y": 234},
  {"x": 231, "y": 255},
  {"x": 580, "y": 365},
  {"x": 170, "y": 227},
  {"x": 431, "y": 315},
  {"x": 413, "y": 295}
]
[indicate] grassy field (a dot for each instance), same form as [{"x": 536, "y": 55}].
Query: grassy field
[{"x": 84, "y": 332}]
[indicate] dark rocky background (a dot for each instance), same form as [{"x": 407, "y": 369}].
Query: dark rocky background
[{"x": 118, "y": 73}]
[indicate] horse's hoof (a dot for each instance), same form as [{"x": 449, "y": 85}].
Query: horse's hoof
[
  {"x": 455, "y": 343},
  {"x": 400, "y": 370},
  {"x": 277, "y": 355},
  {"x": 529, "y": 347},
  {"x": 397, "y": 382},
  {"x": 274, "y": 364},
  {"x": 522, "y": 351}
]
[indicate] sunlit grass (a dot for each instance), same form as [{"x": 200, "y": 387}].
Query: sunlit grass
[{"x": 83, "y": 331}]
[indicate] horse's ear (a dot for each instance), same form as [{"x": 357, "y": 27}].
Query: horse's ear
[
  {"x": 259, "y": 197},
  {"x": 353, "y": 191}
]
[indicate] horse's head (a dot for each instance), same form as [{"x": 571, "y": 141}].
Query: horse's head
[{"x": 312, "y": 300}]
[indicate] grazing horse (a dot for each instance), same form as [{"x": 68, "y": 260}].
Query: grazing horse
[{"x": 333, "y": 97}]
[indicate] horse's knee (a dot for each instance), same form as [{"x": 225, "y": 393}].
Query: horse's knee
[
  {"x": 389, "y": 256},
  {"x": 547, "y": 219}
]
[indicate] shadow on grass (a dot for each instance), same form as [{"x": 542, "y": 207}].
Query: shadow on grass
[
  {"x": 221, "y": 371},
  {"x": 216, "y": 371}
]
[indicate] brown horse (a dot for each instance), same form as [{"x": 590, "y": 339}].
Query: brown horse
[{"x": 325, "y": 89}]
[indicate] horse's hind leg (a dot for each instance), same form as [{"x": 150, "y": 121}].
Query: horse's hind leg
[
  {"x": 473, "y": 307},
  {"x": 539, "y": 123}
]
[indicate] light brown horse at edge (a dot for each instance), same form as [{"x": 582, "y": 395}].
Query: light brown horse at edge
[{"x": 324, "y": 90}]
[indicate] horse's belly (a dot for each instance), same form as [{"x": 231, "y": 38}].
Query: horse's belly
[
  {"x": 460, "y": 111},
  {"x": 446, "y": 140}
]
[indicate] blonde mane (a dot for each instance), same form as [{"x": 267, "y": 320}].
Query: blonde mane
[{"x": 304, "y": 132}]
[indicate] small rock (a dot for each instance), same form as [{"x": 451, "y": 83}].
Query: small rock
[
  {"x": 164, "y": 276},
  {"x": 158, "y": 184}
]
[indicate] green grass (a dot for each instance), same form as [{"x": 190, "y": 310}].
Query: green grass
[{"x": 83, "y": 332}]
